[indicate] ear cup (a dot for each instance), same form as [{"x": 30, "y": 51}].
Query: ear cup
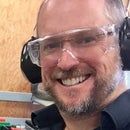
[
  {"x": 31, "y": 71},
  {"x": 124, "y": 41}
]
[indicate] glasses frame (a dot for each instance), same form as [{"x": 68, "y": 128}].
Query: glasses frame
[{"x": 34, "y": 56}]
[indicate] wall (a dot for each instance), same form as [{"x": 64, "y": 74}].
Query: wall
[{"x": 17, "y": 20}]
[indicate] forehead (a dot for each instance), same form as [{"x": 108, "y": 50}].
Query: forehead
[{"x": 61, "y": 15}]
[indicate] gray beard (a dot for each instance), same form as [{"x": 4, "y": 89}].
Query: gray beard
[{"x": 103, "y": 87}]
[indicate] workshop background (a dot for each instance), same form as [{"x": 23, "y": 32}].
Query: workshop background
[{"x": 17, "y": 21}]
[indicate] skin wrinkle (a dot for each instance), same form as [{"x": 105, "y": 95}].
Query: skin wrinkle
[{"x": 85, "y": 100}]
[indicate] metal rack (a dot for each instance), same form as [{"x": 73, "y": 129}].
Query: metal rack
[
  {"x": 22, "y": 97},
  {"x": 15, "y": 96}
]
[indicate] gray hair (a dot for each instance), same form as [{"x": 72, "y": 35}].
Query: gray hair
[{"x": 115, "y": 11}]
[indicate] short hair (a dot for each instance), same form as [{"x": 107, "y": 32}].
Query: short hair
[
  {"x": 115, "y": 11},
  {"x": 42, "y": 6}
]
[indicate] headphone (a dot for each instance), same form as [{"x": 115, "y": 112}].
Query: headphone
[
  {"x": 33, "y": 72},
  {"x": 124, "y": 42}
]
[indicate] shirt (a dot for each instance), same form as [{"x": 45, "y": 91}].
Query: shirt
[{"x": 115, "y": 116}]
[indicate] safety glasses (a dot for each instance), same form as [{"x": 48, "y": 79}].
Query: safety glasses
[{"x": 80, "y": 40}]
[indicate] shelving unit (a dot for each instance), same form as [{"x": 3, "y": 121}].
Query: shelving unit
[{"x": 20, "y": 97}]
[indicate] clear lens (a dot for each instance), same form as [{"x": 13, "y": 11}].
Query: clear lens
[
  {"x": 33, "y": 49},
  {"x": 80, "y": 40}
]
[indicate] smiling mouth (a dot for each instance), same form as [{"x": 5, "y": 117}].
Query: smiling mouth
[{"x": 74, "y": 80}]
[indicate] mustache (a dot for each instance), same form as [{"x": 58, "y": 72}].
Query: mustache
[{"x": 73, "y": 72}]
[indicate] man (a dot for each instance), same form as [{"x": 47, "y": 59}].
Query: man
[{"x": 79, "y": 55}]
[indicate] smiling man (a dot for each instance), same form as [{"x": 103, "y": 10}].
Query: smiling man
[{"x": 79, "y": 55}]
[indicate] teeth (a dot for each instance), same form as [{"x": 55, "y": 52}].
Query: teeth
[{"x": 73, "y": 81}]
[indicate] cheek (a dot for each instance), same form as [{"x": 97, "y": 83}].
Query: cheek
[
  {"x": 48, "y": 64},
  {"x": 103, "y": 65},
  {"x": 107, "y": 57},
  {"x": 108, "y": 64},
  {"x": 93, "y": 55}
]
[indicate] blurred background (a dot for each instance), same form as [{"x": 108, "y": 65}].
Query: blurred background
[{"x": 17, "y": 21}]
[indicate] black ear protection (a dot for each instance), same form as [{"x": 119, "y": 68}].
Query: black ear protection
[
  {"x": 33, "y": 72},
  {"x": 124, "y": 42}
]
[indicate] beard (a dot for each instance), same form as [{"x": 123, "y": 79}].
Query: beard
[{"x": 104, "y": 85}]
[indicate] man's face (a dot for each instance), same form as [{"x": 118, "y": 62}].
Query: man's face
[{"x": 79, "y": 81}]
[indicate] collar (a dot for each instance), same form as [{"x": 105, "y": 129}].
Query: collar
[
  {"x": 47, "y": 117},
  {"x": 115, "y": 116}
]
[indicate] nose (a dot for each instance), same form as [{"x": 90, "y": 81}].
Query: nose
[{"x": 67, "y": 60}]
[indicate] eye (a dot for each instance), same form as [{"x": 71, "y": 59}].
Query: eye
[
  {"x": 51, "y": 46},
  {"x": 85, "y": 40},
  {"x": 88, "y": 39}
]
